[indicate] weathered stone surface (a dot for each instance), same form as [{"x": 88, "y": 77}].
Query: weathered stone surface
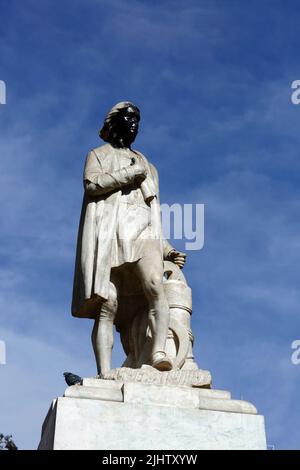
[
  {"x": 231, "y": 406},
  {"x": 110, "y": 414},
  {"x": 162, "y": 395},
  {"x": 86, "y": 424},
  {"x": 149, "y": 375},
  {"x": 94, "y": 393},
  {"x": 213, "y": 393},
  {"x": 117, "y": 385},
  {"x": 184, "y": 397},
  {"x": 96, "y": 382}
]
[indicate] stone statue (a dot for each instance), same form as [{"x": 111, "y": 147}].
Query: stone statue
[
  {"x": 126, "y": 273},
  {"x": 129, "y": 277}
]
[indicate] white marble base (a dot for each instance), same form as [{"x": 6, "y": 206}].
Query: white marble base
[{"x": 110, "y": 415}]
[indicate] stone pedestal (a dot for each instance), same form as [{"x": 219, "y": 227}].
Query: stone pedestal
[{"x": 111, "y": 415}]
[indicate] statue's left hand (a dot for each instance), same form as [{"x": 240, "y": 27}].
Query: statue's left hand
[{"x": 177, "y": 257}]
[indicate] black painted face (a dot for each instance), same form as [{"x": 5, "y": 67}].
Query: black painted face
[{"x": 127, "y": 124}]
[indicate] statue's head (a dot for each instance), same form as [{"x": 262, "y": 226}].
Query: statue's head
[{"x": 121, "y": 124}]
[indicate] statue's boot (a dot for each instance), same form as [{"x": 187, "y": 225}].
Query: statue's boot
[
  {"x": 159, "y": 324},
  {"x": 161, "y": 361}
]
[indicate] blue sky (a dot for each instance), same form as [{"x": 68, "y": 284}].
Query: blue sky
[{"x": 212, "y": 79}]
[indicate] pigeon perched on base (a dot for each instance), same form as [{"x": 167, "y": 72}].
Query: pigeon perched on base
[{"x": 72, "y": 379}]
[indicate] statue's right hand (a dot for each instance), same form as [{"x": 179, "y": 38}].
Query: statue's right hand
[{"x": 139, "y": 171}]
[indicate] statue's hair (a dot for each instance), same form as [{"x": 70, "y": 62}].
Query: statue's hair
[{"x": 106, "y": 132}]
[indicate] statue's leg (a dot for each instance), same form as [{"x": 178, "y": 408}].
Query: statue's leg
[
  {"x": 150, "y": 271},
  {"x": 102, "y": 334}
]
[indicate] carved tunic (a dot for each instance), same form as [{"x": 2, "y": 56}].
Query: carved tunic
[
  {"x": 116, "y": 224},
  {"x": 133, "y": 221}
]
